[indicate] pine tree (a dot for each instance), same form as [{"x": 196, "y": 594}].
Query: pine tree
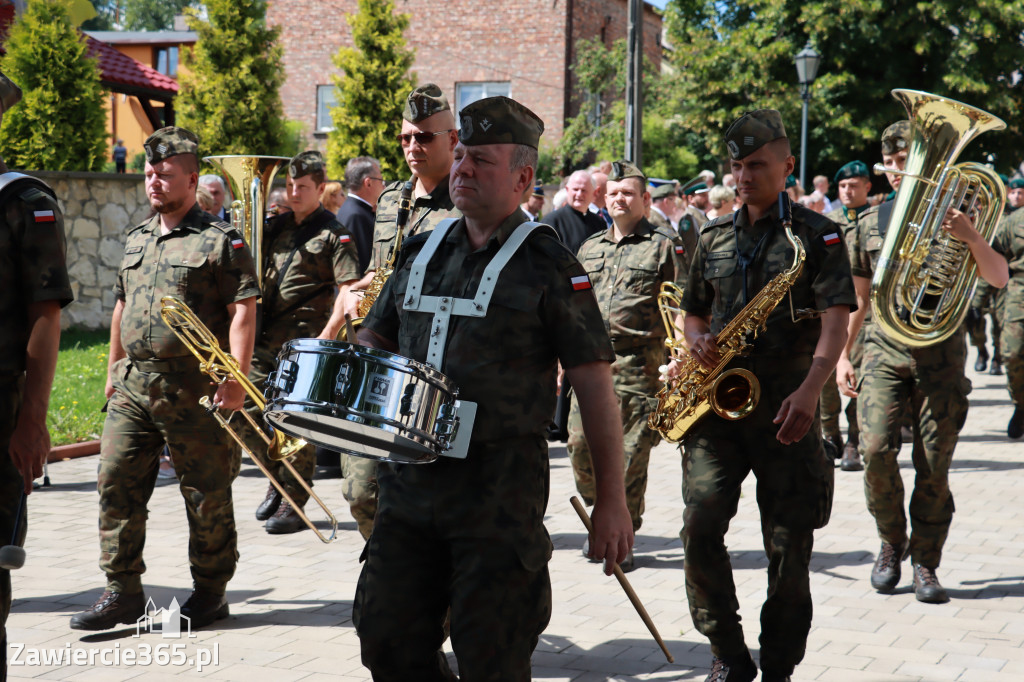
[
  {"x": 371, "y": 91},
  {"x": 230, "y": 94},
  {"x": 60, "y": 123}
]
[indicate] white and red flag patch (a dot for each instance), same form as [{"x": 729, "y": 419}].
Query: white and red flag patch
[
  {"x": 680, "y": 250},
  {"x": 831, "y": 238},
  {"x": 44, "y": 216},
  {"x": 345, "y": 239},
  {"x": 237, "y": 243},
  {"x": 580, "y": 283}
]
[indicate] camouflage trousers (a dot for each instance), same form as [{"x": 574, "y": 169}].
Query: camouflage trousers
[
  {"x": 794, "y": 494},
  {"x": 928, "y": 386},
  {"x": 634, "y": 376},
  {"x": 831, "y": 401},
  {"x": 466, "y": 535},
  {"x": 360, "y": 490},
  {"x": 1011, "y": 342},
  {"x": 991, "y": 303},
  {"x": 264, "y": 361},
  {"x": 13, "y": 525},
  {"x": 147, "y": 411}
]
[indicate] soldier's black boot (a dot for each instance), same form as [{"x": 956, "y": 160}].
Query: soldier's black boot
[
  {"x": 851, "y": 458},
  {"x": 202, "y": 608},
  {"x": 110, "y": 610},
  {"x": 996, "y": 368},
  {"x": 732, "y": 670},
  {"x": 885, "y": 575},
  {"x": 926, "y": 586},
  {"x": 1015, "y": 429},
  {"x": 982, "y": 362},
  {"x": 285, "y": 521},
  {"x": 269, "y": 504}
]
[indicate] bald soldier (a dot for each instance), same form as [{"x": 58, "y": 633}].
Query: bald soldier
[{"x": 468, "y": 534}]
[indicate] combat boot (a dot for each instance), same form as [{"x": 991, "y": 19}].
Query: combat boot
[
  {"x": 1015, "y": 429},
  {"x": 851, "y": 458},
  {"x": 110, "y": 610},
  {"x": 732, "y": 670},
  {"x": 885, "y": 575},
  {"x": 926, "y": 586},
  {"x": 982, "y": 362},
  {"x": 269, "y": 504},
  {"x": 285, "y": 520},
  {"x": 203, "y": 607},
  {"x": 996, "y": 368}
]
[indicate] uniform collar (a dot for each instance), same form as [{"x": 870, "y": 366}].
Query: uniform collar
[
  {"x": 191, "y": 221},
  {"x": 500, "y": 236},
  {"x": 439, "y": 196},
  {"x": 644, "y": 230},
  {"x": 853, "y": 213}
]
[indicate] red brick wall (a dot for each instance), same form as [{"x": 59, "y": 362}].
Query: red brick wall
[{"x": 520, "y": 41}]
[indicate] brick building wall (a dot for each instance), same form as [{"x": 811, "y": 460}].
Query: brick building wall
[{"x": 519, "y": 42}]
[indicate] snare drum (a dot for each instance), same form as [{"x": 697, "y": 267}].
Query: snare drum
[{"x": 362, "y": 401}]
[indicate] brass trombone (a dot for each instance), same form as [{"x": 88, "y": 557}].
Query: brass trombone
[{"x": 221, "y": 366}]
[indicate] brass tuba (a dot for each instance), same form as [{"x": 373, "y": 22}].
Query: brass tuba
[{"x": 925, "y": 277}]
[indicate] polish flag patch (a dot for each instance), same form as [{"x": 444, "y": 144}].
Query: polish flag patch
[
  {"x": 680, "y": 250},
  {"x": 237, "y": 243},
  {"x": 580, "y": 283},
  {"x": 44, "y": 216},
  {"x": 345, "y": 239},
  {"x": 831, "y": 238}
]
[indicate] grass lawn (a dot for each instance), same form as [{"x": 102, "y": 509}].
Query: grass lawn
[{"x": 77, "y": 396}]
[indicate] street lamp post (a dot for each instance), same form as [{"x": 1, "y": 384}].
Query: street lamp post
[{"x": 807, "y": 62}]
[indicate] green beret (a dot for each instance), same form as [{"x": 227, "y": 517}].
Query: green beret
[
  {"x": 753, "y": 130},
  {"x": 662, "y": 191},
  {"x": 424, "y": 102},
  {"x": 10, "y": 94},
  {"x": 854, "y": 169},
  {"x": 623, "y": 169},
  {"x": 790, "y": 181},
  {"x": 1016, "y": 183},
  {"x": 896, "y": 137},
  {"x": 694, "y": 188},
  {"x": 305, "y": 163},
  {"x": 168, "y": 142},
  {"x": 499, "y": 120},
  {"x": 538, "y": 190}
]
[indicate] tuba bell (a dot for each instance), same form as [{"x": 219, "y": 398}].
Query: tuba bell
[{"x": 925, "y": 277}]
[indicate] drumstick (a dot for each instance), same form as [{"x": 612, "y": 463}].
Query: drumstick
[{"x": 626, "y": 587}]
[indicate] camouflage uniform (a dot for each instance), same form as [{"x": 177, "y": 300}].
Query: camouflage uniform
[
  {"x": 360, "y": 485},
  {"x": 32, "y": 269},
  {"x": 794, "y": 482},
  {"x": 626, "y": 277},
  {"x": 988, "y": 300},
  {"x": 1009, "y": 241},
  {"x": 297, "y": 303},
  {"x": 831, "y": 403},
  {"x": 931, "y": 382},
  {"x": 156, "y": 399},
  {"x": 469, "y": 534}
]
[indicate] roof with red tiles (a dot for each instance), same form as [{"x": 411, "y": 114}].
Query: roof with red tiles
[{"x": 117, "y": 69}]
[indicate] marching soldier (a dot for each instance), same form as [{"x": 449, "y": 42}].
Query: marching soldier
[
  {"x": 1009, "y": 241},
  {"x": 627, "y": 264},
  {"x": 154, "y": 384}
]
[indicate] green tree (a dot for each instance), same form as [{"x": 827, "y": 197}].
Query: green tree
[
  {"x": 153, "y": 15},
  {"x": 230, "y": 94},
  {"x": 372, "y": 89},
  {"x": 599, "y": 129},
  {"x": 105, "y": 16},
  {"x": 729, "y": 58},
  {"x": 60, "y": 123}
]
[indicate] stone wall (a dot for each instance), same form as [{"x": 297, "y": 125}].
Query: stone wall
[{"x": 98, "y": 208}]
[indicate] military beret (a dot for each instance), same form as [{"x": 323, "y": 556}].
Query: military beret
[
  {"x": 10, "y": 94},
  {"x": 753, "y": 130},
  {"x": 499, "y": 120},
  {"x": 424, "y": 102},
  {"x": 662, "y": 191},
  {"x": 790, "y": 181},
  {"x": 896, "y": 137},
  {"x": 168, "y": 142},
  {"x": 538, "y": 190},
  {"x": 623, "y": 169},
  {"x": 1016, "y": 183},
  {"x": 305, "y": 163},
  {"x": 854, "y": 169},
  {"x": 695, "y": 188}
]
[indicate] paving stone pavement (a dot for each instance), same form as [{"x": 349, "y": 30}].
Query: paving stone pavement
[{"x": 291, "y": 598}]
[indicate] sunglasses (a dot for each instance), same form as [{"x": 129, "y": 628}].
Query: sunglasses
[{"x": 421, "y": 138}]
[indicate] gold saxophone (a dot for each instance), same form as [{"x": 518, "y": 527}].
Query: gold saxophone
[
  {"x": 733, "y": 393},
  {"x": 380, "y": 276}
]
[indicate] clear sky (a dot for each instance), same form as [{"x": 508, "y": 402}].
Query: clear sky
[{"x": 660, "y": 4}]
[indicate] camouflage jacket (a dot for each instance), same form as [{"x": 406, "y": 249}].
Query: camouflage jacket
[
  {"x": 716, "y": 279},
  {"x": 427, "y": 211},
  {"x": 505, "y": 361},
  {"x": 298, "y": 301},
  {"x": 847, "y": 218},
  {"x": 33, "y": 264},
  {"x": 1009, "y": 241},
  {"x": 202, "y": 261},
  {"x": 627, "y": 276}
]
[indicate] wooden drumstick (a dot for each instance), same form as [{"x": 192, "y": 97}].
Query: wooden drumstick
[{"x": 626, "y": 587}]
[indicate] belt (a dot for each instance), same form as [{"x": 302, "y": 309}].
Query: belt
[{"x": 184, "y": 363}]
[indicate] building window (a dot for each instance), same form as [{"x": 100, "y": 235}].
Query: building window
[
  {"x": 167, "y": 61},
  {"x": 325, "y": 101},
  {"x": 467, "y": 93}
]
